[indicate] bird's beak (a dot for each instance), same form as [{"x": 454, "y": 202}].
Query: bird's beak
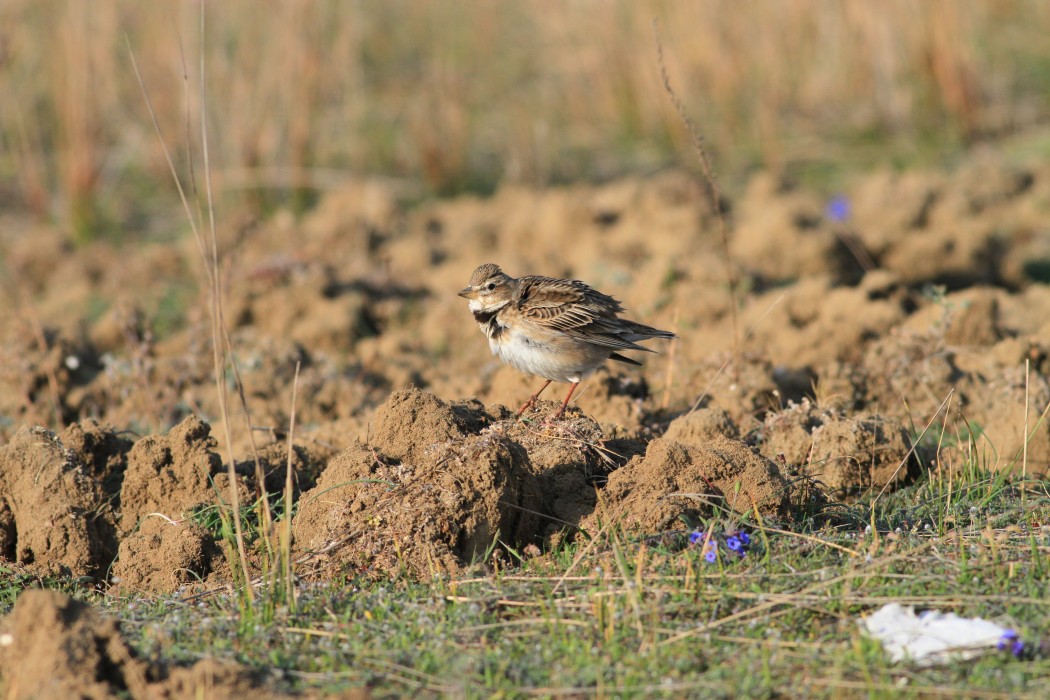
[{"x": 468, "y": 293}]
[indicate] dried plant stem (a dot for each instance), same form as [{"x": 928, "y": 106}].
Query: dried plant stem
[
  {"x": 286, "y": 525},
  {"x": 218, "y": 319},
  {"x": 266, "y": 516},
  {"x": 712, "y": 183},
  {"x": 915, "y": 443},
  {"x": 1024, "y": 435},
  {"x": 951, "y": 466},
  {"x": 210, "y": 257},
  {"x": 671, "y": 356}
]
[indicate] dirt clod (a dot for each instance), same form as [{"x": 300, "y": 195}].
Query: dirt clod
[
  {"x": 55, "y": 517},
  {"x": 162, "y": 555},
  {"x": 701, "y": 426},
  {"x": 456, "y": 497},
  {"x": 102, "y": 451},
  {"x": 428, "y": 517},
  {"x": 846, "y": 454},
  {"x": 169, "y": 474},
  {"x": 677, "y": 482},
  {"x": 61, "y": 647},
  {"x": 411, "y": 422},
  {"x": 58, "y": 647}
]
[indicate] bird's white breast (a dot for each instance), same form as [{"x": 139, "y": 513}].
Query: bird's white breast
[{"x": 534, "y": 357}]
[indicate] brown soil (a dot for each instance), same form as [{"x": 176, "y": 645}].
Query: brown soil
[
  {"x": 678, "y": 482},
  {"x": 843, "y": 453},
  {"x": 929, "y": 307},
  {"x": 162, "y": 556},
  {"x": 442, "y": 484},
  {"x": 169, "y": 474},
  {"x": 56, "y": 517},
  {"x": 52, "y": 646}
]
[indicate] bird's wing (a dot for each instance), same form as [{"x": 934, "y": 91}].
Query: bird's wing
[{"x": 573, "y": 308}]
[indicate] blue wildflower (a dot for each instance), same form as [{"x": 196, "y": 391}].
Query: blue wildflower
[
  {"x": 1011, "y": 640},
  {"x": 838, "y": 209},
  {"x": 711, "y": 552},
  {"x": 745, "y": 538},
  {"x": 734, "y": 543},
  {"x": 695, "y": 536}
]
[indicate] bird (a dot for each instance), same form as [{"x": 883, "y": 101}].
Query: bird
[{"x": 558, "y": 329}]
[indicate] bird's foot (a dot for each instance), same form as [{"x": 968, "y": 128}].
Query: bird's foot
[
  {"x": 532, "y": 399},
  {"x": 524, "y": 407}
]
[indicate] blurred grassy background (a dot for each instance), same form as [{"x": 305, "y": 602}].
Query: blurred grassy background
[{"x": 462, "y": 96}]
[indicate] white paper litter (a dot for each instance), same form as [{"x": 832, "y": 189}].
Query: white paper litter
[{"x": 931, "y": 637}]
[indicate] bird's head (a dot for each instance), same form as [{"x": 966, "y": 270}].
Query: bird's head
[{"x": 489, "y": 288}]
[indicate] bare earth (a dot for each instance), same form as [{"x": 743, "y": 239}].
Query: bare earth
[{"x": 920, "y": 310}]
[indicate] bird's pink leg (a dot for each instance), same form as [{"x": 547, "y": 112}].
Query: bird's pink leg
[
  {"x": 532, "y": 399},
  {"x": 565, "y": 403}
]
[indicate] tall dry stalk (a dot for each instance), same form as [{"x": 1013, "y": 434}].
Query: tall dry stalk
[
  {"x": 287, "y": 578},
  {"x": 712, "y": 183},
  {"x": 207, "y": 243}
]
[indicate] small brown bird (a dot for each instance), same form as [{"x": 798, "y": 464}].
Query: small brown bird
[{"x": 561, "y": 330}]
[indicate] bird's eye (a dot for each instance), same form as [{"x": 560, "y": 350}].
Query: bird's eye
[{"x": 490, "y": 286}]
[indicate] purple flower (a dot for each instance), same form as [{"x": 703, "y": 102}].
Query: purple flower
[
  {"x": 1012, "y": 640},
  {"x": 734, "y": 543},
  {"x": 711, "y": 552},
  {"x": 695, "y": 536},
  {"x": 838, "y": 209},
  {"x": 744, "y": 538}
]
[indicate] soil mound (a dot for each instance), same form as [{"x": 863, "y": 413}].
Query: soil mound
[
  {"x": 54, "y": 516},
  {"x": 567, "y": 460},
  {"x": 58, "y": 647},
  {"x": 410, "y": 423},
  {"x": 1011, "y": 405},
  {"x": 846, "y": 454},
  {"x": 103, "y": 452},
  {"x": 52, "y": 646},
  {"x": 677, "y": 483},
  {"x": 430, "y": 498},
  {"x": 164, "y": 555},
  {"x": 169, "y": 474},
  {"x": 444, "y": 485},
  {"x": 701, "y": 426}
]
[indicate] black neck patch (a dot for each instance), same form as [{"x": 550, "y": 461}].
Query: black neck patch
[
  {"x": 484, "y": 317},
  {"x": 489, "y": 324}
]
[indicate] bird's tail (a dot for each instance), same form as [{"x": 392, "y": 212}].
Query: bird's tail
[{"x": 640, "y": 331}]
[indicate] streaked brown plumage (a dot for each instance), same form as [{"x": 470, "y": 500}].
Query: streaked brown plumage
[{"x": 561, "y": 330}]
